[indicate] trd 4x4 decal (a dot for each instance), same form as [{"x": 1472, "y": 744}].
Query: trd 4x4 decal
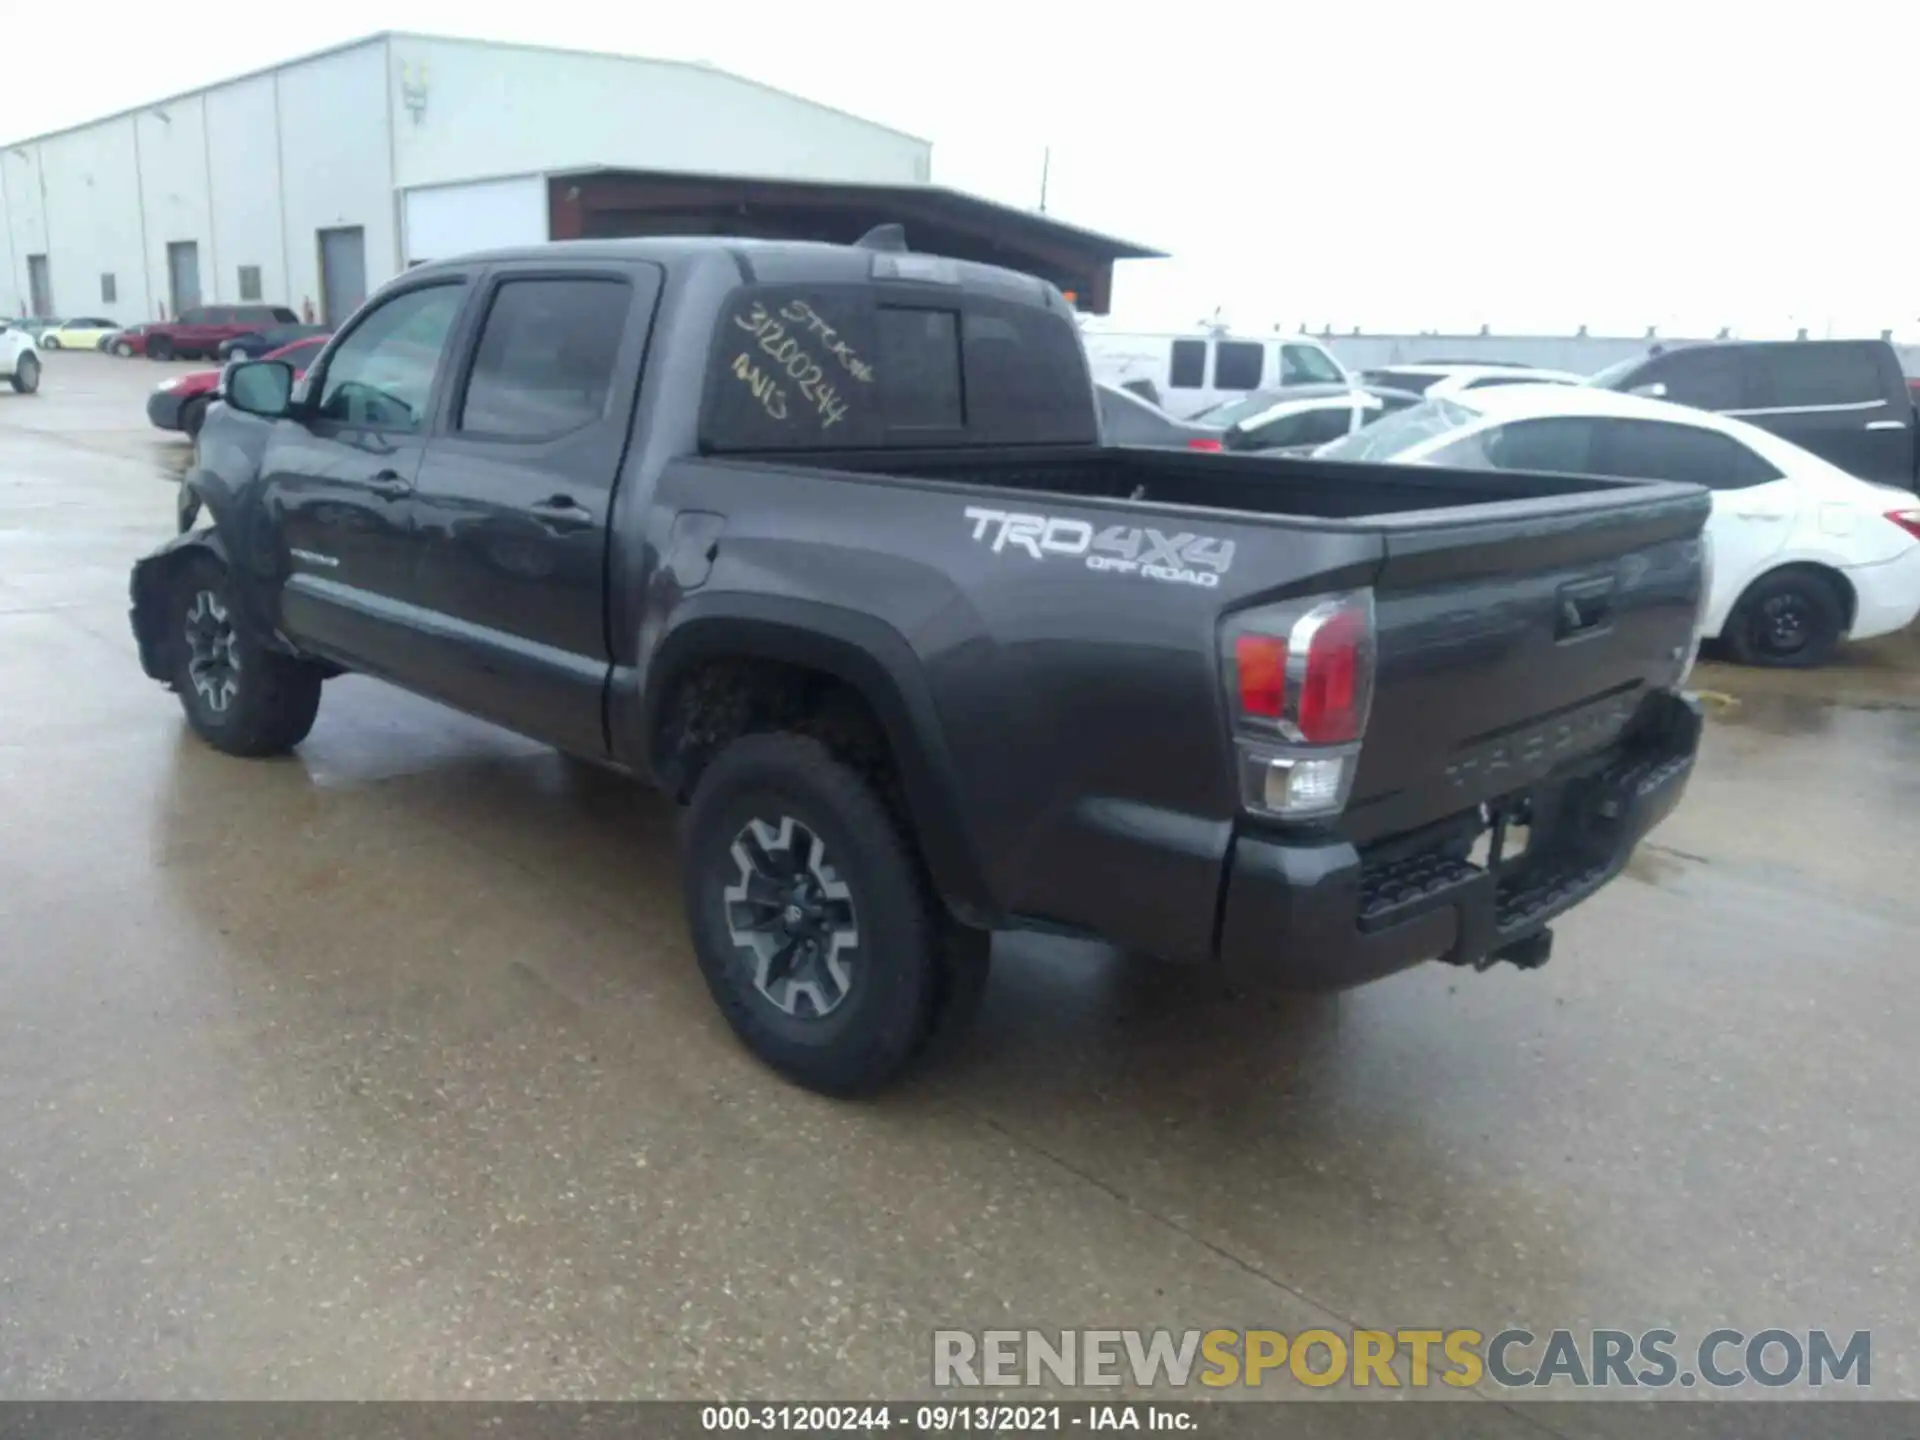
[{"x": 1181, "y": 559}]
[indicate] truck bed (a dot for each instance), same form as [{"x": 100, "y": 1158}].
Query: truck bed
[{"x": 1299, "y": 487}]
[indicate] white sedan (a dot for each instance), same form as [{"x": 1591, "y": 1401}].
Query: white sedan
[
  {"x": 19, "y": 360},
  {"x": 1804, "y": 555}
]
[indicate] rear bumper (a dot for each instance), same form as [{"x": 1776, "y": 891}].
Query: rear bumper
[
  {"x": 1327, "y": 916},
  {"x": 1887, "y": 597}
]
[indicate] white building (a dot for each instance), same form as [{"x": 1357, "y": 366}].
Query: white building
[{"x": 319, "y": 179}]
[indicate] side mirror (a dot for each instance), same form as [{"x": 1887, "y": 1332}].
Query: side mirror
[
  {"x": 260, "y": 387},
  {"x": 1654, "y": 390}
]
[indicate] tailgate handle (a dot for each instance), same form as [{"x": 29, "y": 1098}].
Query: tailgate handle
[{"x": 1584, "y": 607}]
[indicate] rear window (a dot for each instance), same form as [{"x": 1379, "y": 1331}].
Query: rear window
[
  {"x": 858, "y": 367},
  {"x": 1793, "y": 375}
]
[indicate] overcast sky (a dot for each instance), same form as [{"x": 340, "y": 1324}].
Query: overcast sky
[{"x": 1529, "y": 164}]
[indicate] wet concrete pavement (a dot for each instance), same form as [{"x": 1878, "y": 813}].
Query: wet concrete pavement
[{"x": 385, "y": 1071}]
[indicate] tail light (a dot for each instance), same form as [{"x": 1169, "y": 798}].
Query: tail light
[
  {"x": 1907, "y": 520},
  {"x": 1204, "y": 442},
  {"x": 1299, "y": 683}
]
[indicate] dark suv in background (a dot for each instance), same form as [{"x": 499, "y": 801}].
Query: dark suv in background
[
  {"x": 1845, "y": 400},
  {"x": 196, "y": 334}
]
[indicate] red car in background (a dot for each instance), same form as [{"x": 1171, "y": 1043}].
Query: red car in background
[
  {"x": 197, "y": 333},
  {"x": 180, "y": 401}
]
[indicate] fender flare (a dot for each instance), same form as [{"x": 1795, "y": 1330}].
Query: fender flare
[
  {"x": 147, "y": 591},
  {"x": 877, "y": 662}
]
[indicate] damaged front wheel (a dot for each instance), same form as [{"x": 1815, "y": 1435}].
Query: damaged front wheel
[{"x": 239, "y": 696}]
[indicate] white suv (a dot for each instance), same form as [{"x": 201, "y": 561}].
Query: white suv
[{"x": 19, "y": 360}]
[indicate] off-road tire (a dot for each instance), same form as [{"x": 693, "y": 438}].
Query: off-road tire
[
  {"x": 274, "y": 697},
  {"x": 1791, "y": 620},
  {"x": 914, "y": 975}
]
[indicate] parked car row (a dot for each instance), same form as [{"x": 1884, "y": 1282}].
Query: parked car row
[
  {"x": 201, "y": 333},
  {"x": 1808, "y": 447}
]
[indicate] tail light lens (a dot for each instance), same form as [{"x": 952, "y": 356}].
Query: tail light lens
[
  {"x": 1204, "y": 442},
  {"x": 1907, "y": 520},
  {"x": 1300, "y": 683}
]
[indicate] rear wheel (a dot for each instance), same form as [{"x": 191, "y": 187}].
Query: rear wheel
[
  {"x": 26, "y": 374},
  {"x": 238, "y": 696},
  {"x": 1790, "y": 620},
  {"x": 813, "y": 927},
  {"x": 160, "y": 348},
  {"x": 49, "y": 342}
]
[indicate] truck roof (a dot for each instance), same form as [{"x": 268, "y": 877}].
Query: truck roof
[{"x": 780, "y": 261}]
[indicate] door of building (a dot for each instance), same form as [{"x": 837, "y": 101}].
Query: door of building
[
  {"x": 39, "y": 285},
  {"x": 343, "y": 272},
  {"x": 183, "y": 274}
]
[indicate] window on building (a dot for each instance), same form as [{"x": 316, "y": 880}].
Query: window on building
[
  {"x": 1189, "y": 367},
  {"x": 249, "y": 282},
  {"x": 109, "y": 292},
  {"x": 545, "y": 361},
  {"x": 1237, "y": 364}
]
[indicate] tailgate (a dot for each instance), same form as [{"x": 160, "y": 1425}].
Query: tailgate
[{"x": 1515, "y": 637}]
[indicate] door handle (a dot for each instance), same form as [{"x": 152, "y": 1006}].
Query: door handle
[
  {"x": 390, "y": 485},
  {"x": 1886, "y": 425},
  {"x": 559, "y": 512}
]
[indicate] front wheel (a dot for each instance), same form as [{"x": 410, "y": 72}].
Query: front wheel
[
  {"x": 26, "y": 374},
  {"x": 238, "y": 696},
  {"x": 1790, "y": 620},
  {"x": 192, "y": 416},
  {"x": 813, "y": 927},
  {"x": 123, "y": 349}
]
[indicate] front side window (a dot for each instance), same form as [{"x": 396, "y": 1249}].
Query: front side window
[
  {"x": 1237, "y": 364},
  {"x": 1307, "y": 365},
  {"x": 545, "y": 361},
  {"x": 1707, "y": 379},
  {"x": 381, "y": 376},
  {"x": 1555, "y": 446}
]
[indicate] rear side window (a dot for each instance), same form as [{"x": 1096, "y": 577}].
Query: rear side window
[
  {"x": 1785, "y": 376},
  {"x": 1707, "y": 379},
  {"x": 1304, "y": 427},
  {"x": 1650, "y": 450},
  {"x": 1189, "y": 368},
  {"x": 1026, "y": 378},
  {"x": 1237, "y": 364},
  {"x": 545, "y": 361}
]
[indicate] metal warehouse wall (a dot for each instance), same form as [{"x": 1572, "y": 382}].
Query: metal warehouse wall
[
  {"x": 1582, "y": 354},
  {"x": 248, "y": 171},
  {"x": 465, "y": 110}
]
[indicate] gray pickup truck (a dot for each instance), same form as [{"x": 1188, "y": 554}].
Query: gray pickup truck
[{"x": 823, "y": 541}]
